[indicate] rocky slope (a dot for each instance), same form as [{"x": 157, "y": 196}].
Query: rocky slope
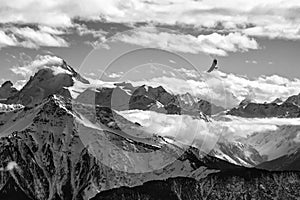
[{"x": 237, "y": 153}]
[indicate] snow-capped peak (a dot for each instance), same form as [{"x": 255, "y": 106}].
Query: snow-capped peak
[{"x": 53, "y": 77}]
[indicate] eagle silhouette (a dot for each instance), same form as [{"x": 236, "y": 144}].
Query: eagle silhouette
[{"x": 213, "y": 66}]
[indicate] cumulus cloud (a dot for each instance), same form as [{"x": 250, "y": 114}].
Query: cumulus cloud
[
  {"x": 217, "y": 44},
  {"x": 272, "y": 18},
  {"x": 32, "y": 38},
  {"x": 45, "y": 61},
  {"x": 54, "y": 12},
  {"x": 229, "y": 26},
  {"x": 272, "y": 31}
]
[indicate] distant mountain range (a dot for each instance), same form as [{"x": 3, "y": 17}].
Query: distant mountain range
[{"x": 287, "y": 109}]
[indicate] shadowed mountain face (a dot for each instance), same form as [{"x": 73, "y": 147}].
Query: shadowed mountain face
[{"x": 288, "y": 109}]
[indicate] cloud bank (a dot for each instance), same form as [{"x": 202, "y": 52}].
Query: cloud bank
[
  {"x": 268, "y": 18},
  {"x": 214, "y": 27},
  {"x": 202, "y": 134},
  {"x": 31, "y": 38},
  {"x": 217, "y": 44}
]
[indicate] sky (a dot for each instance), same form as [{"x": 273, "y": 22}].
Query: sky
[{"x": 255, "y": 41}]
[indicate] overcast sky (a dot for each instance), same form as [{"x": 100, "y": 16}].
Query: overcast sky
[{"x": 254, "y": 39}]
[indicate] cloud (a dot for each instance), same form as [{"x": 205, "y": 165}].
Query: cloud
[
  {"x": 32, "y": 38},
  {"x": 53, "y": 12},
  {"x": 273, "y": 31},
  {"x": 202, "y": 134},
  {"x": 227, "y": 89},
  {"x": 268, "y": 18},
  {"x": 182, "y": 128},
  {"x": 116, "y": 75},
  {"x": 217, "y": 44},
  {"x": 6, "y": 40},
  {"x": 243, "y": 127},
  {"x": 35, "y": 39},
  {"x": 272, "y": 18},
  {"x": 20, "y": 84},
  {"x": 45, "y": 61},
  {"x": 188, "y": 73},
  {"x": 212, "y": 27}
]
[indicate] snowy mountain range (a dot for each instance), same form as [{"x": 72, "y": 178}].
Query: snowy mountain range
[{"x": 65, "y": 137}]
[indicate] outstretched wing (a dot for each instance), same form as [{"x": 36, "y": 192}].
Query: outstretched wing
[{"x": 213, "y": 65}]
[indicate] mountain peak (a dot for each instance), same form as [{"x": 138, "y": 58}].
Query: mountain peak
[
  {"x": 53, "y": 77},
  {"x": 7, "y": 90},
  {"x": 7, "y": 84},
  {"x": 295, "y": 99},
  {"x": 277, "y": 101}
]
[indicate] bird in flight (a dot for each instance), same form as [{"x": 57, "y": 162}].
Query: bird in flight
[{"x": 213, "y": 66}]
